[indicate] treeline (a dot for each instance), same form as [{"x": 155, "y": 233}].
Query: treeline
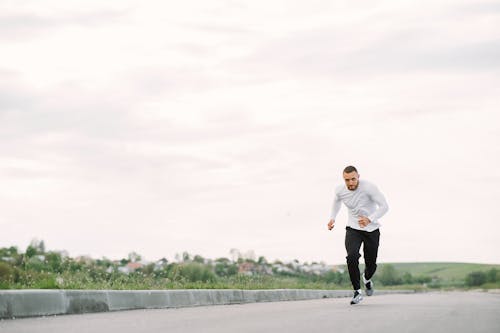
[
  {"x": 37, "y": 268},
  {"x": 480, "y": 278}
]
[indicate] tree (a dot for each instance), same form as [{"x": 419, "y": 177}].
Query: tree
[
  {"x": 134, "y": 256},
  {"x": 38, "y": 245},
  {"x": 224, "y": 267},
  {"x": 199, "y": 259},
  {"x": 235, "y": 254},
  {"x": 186, "y": 256},
  {"x": 54, "y": 261},
  {"x": 30, "y": 251},
  {"x": 10, "y": 252}
]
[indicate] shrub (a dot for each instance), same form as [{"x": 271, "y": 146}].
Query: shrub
[
  {"x": 226, "y": 269},
  {"x": 407, "y": 278},
  {"x": 422, "y": 279},
  {"x": 6, "y": 272},
  {"x": 389, "y": 276},
  {"x": 54, "y": 262},
  {"x": 46, "y": 282},
  {"x": 335, "y": 277},
  {"x": 194, "y": 272},
  {"x": 475, "y": 279},
  {"x": 492, "y": 275}
]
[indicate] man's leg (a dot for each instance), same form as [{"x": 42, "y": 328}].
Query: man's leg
[
  {"x": 353, "y": 240},
  {"x": 370, "y": 251}
]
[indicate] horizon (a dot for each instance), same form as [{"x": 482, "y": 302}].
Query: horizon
[{"x": 269, "y": 260}]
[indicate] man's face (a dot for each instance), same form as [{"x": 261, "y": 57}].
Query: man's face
[{"x": 351, "y": 180}]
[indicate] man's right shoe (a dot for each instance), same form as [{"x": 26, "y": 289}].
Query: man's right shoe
[
  {"x": 368, "y": 286},
  {"x": 358, "y": 297}
]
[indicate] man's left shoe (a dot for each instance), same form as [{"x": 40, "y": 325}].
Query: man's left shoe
[{"x": 368, "y": 286}]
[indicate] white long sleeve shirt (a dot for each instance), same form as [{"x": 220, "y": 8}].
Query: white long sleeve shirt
[{"x": 365, "y": 200}]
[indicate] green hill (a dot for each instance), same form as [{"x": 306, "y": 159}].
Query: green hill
[
  {"x": 444, "y": 271},
  {"x": 447, "y": 271}
]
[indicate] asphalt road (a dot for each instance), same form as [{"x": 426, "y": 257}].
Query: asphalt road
[{"x": 432, "y": 312}]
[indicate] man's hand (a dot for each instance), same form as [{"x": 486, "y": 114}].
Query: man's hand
[
  {"x": 331, "y": 224},
  {"x": 363, "y": 221}
]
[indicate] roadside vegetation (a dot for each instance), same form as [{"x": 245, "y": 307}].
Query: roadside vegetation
[{"x": 37, "y": 268}]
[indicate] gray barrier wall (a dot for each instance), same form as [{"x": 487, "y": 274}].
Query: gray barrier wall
[{"x": 30, "y": 303}]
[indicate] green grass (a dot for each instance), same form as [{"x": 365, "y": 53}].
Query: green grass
[{"x": 444, "y": 275}]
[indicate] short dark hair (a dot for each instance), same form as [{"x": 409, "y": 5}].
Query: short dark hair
[{"x": 349, "y": 169}]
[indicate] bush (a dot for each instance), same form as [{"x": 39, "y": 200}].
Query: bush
[
  {"x": 194, "y": 272},
  {"x": 492, "y": 275},
  {"x": 475, "y": 279},
  {"x": 422, "y": 279},
  {"x": 389, "y": 276},
  {"x": 54, "y": 262},
  {"x": 226, "y": 269},
  {"x": 335, "y": 277},
  {"x": 407, "y": 278},
  {"x": 35, "y": 264},
  {"x": 6, "y": 272},
  {"x": 46, "y": 282}
]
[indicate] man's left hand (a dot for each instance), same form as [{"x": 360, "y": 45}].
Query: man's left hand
[{"x": 363, "y": 221}]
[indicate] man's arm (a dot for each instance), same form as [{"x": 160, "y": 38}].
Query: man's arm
[
  {"x": 335, "y": 207},
  {"x": 335, "y": 210},
  {"x": 379, "y": 199}
]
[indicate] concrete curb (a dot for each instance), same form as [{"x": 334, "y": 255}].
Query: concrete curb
[{"x": 35, "y": 302}]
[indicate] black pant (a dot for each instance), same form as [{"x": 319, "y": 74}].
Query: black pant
[{"x": 353, "y": 240}]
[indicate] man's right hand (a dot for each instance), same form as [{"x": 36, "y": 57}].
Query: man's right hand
[{"x": 331, "y": 224}]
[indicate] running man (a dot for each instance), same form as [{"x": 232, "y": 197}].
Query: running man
[{"x": 365, "y": 205}]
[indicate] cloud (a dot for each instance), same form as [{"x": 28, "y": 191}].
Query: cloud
[
  {"x": 201, "y": 122},
  {"x": 479, "y": 7},
  {"x": 16, "y": 26},
  {"x": 388, "y": 42},
  {"x": 14, "y": 95}
]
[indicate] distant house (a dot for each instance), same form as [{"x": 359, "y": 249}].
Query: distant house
[
  {"x": 250, "y": 268},
  {"x": 130, "y": 267},
  {"x": 318, "y": 268},
  {"x": 133, "y": 266},
  {"x": 123, "y": 269},
  {"x": 247, "y": 268},
  {"x": 84, "y": 260},
  {"x": 280, "y": 268}
]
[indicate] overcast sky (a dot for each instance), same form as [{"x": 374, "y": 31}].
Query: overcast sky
[{"x": 161, "y": 127}]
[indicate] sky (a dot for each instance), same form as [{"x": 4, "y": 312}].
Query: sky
[{"x": 202, "y": 126}]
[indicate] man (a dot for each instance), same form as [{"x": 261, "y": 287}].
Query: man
[{"x": 365, "y": 206}]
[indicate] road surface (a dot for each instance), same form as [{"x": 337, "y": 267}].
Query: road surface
[{"x": 430, "y": 312}]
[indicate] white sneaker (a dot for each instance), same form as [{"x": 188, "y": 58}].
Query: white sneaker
[
  {"x": 368, "y": 286},
  {"x": 358, "y": 297}
]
